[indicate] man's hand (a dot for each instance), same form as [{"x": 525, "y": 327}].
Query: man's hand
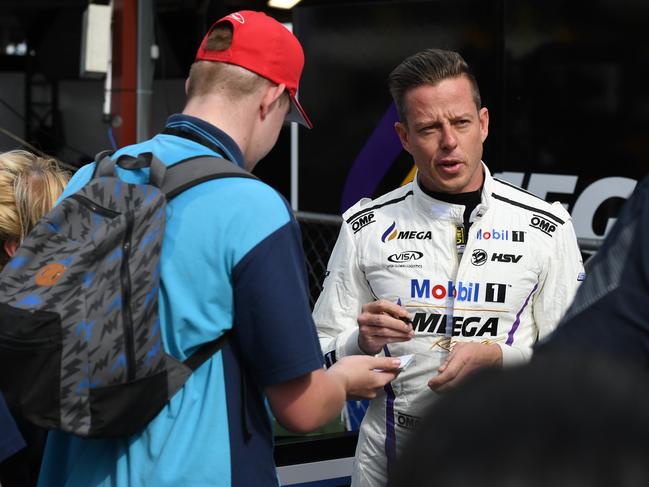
[
  {"x": 465, "y": 358},
  {"x": 382, "y": 322},
  {"x": 363, "y": 376}
]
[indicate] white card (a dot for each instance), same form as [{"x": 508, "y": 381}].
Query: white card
[{"x": 405, "y": 360}]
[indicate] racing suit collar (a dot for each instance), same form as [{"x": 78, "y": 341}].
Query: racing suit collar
[{"x": 435, "y": 208}]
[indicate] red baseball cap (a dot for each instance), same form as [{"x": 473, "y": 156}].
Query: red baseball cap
[{"x": 264, "y": 46}]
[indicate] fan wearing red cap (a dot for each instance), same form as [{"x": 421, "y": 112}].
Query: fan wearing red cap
[
  {"x": 245, "y": 81},
  {"x": 263, "y": 46},
  {"x": 232, "y": 265}
]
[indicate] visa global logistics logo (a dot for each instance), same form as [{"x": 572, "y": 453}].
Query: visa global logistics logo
[
  {"x": 516, "y": 235},
  {"x": 494, "y": 292},
  {"x": 391, "y": 233}
]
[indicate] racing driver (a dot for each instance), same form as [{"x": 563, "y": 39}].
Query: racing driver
[{"x": 458, "y": 269}]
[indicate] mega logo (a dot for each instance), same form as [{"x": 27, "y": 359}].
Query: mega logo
[
  {"x": 391, "y": 233},
  {"x": 405, "y": 256},
  {"x": 542, "y": 224},
  {"x": 422, "y": 289},
  {"x": 362, "y": 221},
  {"x": 470, "y": 326},
  {"x": 516, "y": 235},
  {"x": 506, "y": 258}
]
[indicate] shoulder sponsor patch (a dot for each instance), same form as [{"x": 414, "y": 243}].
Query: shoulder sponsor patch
[
  {"x": 540, "y": 223},
  {"x": 361, "y": 221}
]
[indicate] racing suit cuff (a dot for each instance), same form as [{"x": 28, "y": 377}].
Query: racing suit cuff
[
  {"x": 350, "y": 345},
  {"x": 513, "y": 356}
]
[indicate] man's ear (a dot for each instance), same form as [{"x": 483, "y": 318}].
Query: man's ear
[
  {"x": 484, "y": 123},
  {"x": 10, "y": 247},
  {"x": 187, "y": 86},
  {"x": 272, "y": 94},
  {"x": 402, "y": 132}
]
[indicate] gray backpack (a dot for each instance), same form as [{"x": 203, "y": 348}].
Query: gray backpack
[{"x": 80, "y": 343}]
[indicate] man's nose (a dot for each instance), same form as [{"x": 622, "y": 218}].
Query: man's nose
[{"x": 448, "y": 142}]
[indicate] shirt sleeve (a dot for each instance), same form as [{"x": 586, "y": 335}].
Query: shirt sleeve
[
  {"x": 272, "y": 318},
  {"x": 558, "y": 282},
  {"x": 345, "y": 290}
]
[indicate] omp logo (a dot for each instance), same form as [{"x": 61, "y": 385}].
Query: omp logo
[
  {"x": 405, "y": 256},
  {"x": 516, "y": 235},
  {"x": 469, "y": 326},
  {"x": 478, "y": 257},
  {"x": 422, "y": 289},
  {"x": 391, "y": 233},
  {"x": 362, "y": 221},
  {"x": 542, "y": 224},
  {"x": 407, "y": 421},
  {"x": 506, "y": 258}
]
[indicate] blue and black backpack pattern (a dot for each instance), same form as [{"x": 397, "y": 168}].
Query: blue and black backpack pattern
[{"x": 80, "y": 342}]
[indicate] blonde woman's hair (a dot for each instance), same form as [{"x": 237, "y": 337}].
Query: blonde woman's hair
[{"x": 29, "y": 187}]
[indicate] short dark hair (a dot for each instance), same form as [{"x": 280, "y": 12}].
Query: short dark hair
[{"x": 428, "y": 67}]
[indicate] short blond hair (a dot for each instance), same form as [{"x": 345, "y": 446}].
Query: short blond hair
[
  {"x": 210, "y": 77},
  {"x": 29, "y": 187}
]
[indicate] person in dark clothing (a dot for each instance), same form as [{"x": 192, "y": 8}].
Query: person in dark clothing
[
  {"x": 570, "y": 420},
  {"x": 29, "y": 186},
  {"x": 609, "y": 315}
]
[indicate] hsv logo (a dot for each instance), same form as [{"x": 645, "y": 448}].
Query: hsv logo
[
  {"x": 478, "y": 257},
  {"x": 470, "y": 326},
  {"x": 506, "y": 258},
  {"x": 516, "y": 235},
  {"x": 391, "y": 233},
  {"x": 362, "y": 221},
  {"x": 494, "y": 292},
  {"x": 542, "y": 224},
  {"x": 405, "y": 256}
]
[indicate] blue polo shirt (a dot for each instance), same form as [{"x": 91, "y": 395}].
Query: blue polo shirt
[{"x": 231, "y": 259}]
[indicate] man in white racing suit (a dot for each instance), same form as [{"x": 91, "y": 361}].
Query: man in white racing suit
[{"x": 457, "y": 268}]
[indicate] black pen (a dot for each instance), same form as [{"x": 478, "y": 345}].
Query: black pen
[{"x": 406, "y": 320}]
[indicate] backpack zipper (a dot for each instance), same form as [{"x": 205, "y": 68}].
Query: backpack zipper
[
  {"x": 125, "y": 276},
  {"x": 91, "y": 205}
]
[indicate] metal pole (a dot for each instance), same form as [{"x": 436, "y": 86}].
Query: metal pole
[{"x": 145, "y": 67}]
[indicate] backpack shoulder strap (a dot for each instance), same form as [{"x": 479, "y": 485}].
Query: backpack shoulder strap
[{"x": 195, "y": 170}]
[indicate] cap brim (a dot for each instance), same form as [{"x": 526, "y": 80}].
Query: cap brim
[{"x": 297, "y": 114}]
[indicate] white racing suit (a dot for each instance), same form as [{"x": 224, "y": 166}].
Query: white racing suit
[{"x": 519, "y": 271}]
